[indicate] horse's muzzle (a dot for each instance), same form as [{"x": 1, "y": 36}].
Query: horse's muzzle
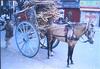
[{"x": 91, "y": 41}]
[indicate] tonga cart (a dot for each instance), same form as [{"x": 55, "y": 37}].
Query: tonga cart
[{"x": 29, "y": 23}]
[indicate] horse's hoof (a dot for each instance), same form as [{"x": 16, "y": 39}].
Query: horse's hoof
[
  {"x": 48, "y": 57},
  {"x": 72, "y": 63},
  {"x": 43, "y": 47},
  {"x": 52, "y": 54},
  {"x": 6, "y": 47},
  {"x": 68, "y": 66}
]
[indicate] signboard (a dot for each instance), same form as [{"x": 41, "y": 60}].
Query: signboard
[
  {"x": 90, "y": 16},
  {"x": 69, "y": 0},
  {"x": 94, "y": 4}
]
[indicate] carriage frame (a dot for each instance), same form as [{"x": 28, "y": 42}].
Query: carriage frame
[{"x": 27, "y": 33}]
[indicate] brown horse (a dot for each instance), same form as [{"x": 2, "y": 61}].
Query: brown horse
[{"x": 59, "y": 32}]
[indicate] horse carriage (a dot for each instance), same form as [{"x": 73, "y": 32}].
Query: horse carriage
[{"x": 36, "y": 25}]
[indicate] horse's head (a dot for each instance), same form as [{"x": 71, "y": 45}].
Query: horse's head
[{"x": 90, "y": 34}]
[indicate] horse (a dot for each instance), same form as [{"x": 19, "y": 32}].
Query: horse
[{"x": 58, "y": 31}]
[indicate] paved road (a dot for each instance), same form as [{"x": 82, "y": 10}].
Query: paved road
[{"x": 86, "y": 56}]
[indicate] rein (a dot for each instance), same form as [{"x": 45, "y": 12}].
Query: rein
[
  {"x": 59, "y": 36},
  {"x": 86, "y": 30}
]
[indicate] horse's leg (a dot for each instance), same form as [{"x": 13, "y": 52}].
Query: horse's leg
[
  {"x": 48, "y": 44},
  {"x": 68, "y": 56},
  {"x": 51, "y": 49},
  {"x": 71, "y": 53},
  {"x": 48, "y": 48}
]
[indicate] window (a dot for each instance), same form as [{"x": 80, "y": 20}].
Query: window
[{"x": 70, "y": 0}]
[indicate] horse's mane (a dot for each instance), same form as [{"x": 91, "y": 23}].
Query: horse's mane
[
  {"x": 79, "y": 29},
  {"x": 79, "y": 25}
]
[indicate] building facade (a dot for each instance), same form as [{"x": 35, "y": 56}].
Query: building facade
[
  {"x": 6, "y": 5},
  {"x": 71, "y": 7},
  {"x": 90, "y": 11},
  {"x": 83, "y": 10}
]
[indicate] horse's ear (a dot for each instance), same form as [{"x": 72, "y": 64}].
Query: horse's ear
[{"x": 92, "y": 25}]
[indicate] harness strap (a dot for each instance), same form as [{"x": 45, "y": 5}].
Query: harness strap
[{"x": 73, "y": 36}]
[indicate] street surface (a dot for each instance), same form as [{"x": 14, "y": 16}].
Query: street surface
[{"x": 85, "y": 56}]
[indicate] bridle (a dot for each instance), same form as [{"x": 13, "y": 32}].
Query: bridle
[{"x": 89, "y": 33}]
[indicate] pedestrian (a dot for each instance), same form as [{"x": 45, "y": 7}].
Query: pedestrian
[
  {"x": 69, "y": 16},
  {"x": 9, "y": 31}
]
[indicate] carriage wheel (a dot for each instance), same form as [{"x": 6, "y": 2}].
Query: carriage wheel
[
  {"x": 27, "y": 39},
  {"x": 43, "y": 42}
]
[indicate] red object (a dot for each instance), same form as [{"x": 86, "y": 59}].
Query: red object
[
  {"x": 75, "y": 14},
  {"x": 23, "y": 16}
]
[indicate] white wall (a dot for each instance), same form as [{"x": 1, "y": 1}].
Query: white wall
[{"x": 86, "y": 16}]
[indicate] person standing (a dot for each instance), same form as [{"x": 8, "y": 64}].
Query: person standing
[
  {"x": 9, "y": 31},
  {"x": 70, "y": 30},
  {"x": 69, "y": 16}
]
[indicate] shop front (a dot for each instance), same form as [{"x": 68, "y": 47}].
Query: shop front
[
  {"x": 71, "y": 10},
  {"x": 75, "y": 14}
]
